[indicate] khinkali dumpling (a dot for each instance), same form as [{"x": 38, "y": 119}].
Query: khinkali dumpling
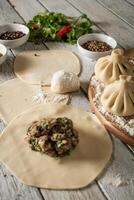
[
  {"x": 118, "y": 97},
  {"x": 109, "y": 68},
  {"x": 63, "y": 82}
]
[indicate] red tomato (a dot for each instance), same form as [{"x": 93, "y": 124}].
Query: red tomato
[{"x": 64, "y": 30}]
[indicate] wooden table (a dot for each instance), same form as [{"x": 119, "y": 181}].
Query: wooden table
[{"x": 114, "y": 17}]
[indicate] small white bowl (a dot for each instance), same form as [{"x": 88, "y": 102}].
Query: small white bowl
[
  {"x": 95, "y": 36},
  {"x": 14, "y": 27},
  {"x": 3, "y": 51}
]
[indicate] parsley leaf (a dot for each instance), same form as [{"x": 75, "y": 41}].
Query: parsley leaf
[{"x": 45, "y": 26}]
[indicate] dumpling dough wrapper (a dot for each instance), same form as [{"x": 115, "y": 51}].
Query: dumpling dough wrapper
[
  {"x": 17, "y": 96},
  {"x": 77, "y": 170},
  {"x": 37, "y": 67}
]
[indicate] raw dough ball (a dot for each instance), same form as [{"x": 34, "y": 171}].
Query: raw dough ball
[{"x": 63, "y": 82}]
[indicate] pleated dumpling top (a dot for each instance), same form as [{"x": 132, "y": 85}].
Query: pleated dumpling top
[
  {"x": 109, "y": 68},
  {"x": 118, "y": 97}
]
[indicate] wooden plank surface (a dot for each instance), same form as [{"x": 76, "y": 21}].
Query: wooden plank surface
[
  {"x": 10, "y": 187},
  {"x": 121, "y": 8},
  {"x": 83, "y": 194},
  {"x": 78, "y": 99},
  {"x": 88, "y": 68},
  {"x": 130, "y": 1},
  {"x": 107, "y": 21},
  {"x": 120, "y": 170},
  {"x": 25, "y": 6},
  {"x": 5, "y": 13}
]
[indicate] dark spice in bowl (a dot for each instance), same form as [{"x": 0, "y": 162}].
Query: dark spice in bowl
[
  {"x": 11, "y": 35},
  {"x": 96, "y": 46}
]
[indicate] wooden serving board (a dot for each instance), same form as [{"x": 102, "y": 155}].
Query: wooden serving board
[{"x": 108, "y": 125}]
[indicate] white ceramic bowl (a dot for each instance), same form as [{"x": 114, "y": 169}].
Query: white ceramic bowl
[
  {"x": 14, "y": 27},
  {"x": 3, "y": 51},
  {"x": 95, "y": 36}
]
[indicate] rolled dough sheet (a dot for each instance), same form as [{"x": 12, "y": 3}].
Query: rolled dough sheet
[
  {"x": 16, "y": 97},
  {"x": 37, "y": 67},
  {"x": 74, "y": 171}
]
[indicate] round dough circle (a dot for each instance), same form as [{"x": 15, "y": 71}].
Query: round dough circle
[
  {"x": 37, "y": 67},
  {"x": 16, "y": 97},
  {"x": 74, "y": 171}
]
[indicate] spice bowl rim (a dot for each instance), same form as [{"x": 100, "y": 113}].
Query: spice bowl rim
[
  {"x": 14, "y": 27},
  {"x": 4, "y": 53},
  {"x": 94, "y": 55}
]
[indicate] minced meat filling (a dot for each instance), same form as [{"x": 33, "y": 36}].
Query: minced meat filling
[{"x": 55, "y": 137}]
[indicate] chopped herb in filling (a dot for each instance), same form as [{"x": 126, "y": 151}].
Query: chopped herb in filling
[{"x": 55, "y": 137}]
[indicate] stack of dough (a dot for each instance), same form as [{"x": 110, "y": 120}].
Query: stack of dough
[
  {"x": 109, "y": 68},
  {"x": 118, "y": 97},
  {"x": 63, "y": 82}
]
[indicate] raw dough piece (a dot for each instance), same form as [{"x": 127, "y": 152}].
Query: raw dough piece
[
  {"x": 109, "y": 68},
  {"x": 118, "y": 97},
  {"x": 77, "y": 170},
  {"x": 63, "y": 82},
  {"x": 16, "y": 97},
  {"x": 37, "y": 67}
]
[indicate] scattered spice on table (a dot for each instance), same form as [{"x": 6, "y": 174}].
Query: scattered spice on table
[
  {"x": 55, "y": 137},
  {"x": 11, "y": 35},
  {"x": 36, "y": 54},
  {"x": 96, "y": 46}
]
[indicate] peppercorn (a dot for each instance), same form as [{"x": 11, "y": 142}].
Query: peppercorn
[
  {"x": 96, "y": 46},
  {"x": 11, "y": 35}
]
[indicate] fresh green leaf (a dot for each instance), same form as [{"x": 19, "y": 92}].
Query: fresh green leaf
[{"x": 47, "y": 24}]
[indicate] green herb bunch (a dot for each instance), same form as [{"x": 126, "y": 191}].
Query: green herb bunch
[{"x": 51, "y": 26}]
